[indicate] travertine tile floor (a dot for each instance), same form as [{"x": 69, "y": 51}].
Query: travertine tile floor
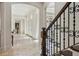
[{"x": 23, "y": 47}]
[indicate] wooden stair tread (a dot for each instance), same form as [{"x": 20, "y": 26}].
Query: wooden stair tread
[
  {"x": 57, "y": 54},
  {"x": 66, "y": 53},
  {"x": 75, "y": 47}
]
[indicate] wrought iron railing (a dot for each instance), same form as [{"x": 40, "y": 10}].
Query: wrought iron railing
[{"x": 61, "y": 33}]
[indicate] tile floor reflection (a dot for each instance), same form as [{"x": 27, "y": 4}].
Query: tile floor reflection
[{"x": 22, "y": 47}]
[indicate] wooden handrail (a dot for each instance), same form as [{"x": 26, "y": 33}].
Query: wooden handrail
[{"x": 59, "y": 14}]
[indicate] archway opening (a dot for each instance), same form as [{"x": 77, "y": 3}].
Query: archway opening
[{"x": 25, "y": 27}]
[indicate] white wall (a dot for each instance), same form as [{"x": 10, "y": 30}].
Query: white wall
[
  {"x": 50, "y": 13},
  {"x": 33, "y": 23},
  {"x": 58, "y": 6},
  {"x": 5, "y": 26}
]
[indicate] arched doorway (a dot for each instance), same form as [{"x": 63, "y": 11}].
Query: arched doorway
[
  {"x": 25, "y": 27},
  {"x": 6, "y": 25}
]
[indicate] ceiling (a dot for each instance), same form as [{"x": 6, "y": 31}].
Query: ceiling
[{"x": 22, "y": 9}]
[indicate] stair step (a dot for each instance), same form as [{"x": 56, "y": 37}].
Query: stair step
[
  {"x": 66, "y": 53},
  {"x": 57, "y": 54},
  {"x": 75, "y": 47}
]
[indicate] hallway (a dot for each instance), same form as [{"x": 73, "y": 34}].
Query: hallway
[
  {"x": 22, "y": 47},
  {"x": 39, "y": 29}
]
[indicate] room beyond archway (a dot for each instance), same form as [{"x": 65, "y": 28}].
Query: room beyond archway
[{"x": 25, "y": 28}]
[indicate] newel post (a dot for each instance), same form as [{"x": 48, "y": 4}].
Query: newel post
[{"x": 43, "y": 43}]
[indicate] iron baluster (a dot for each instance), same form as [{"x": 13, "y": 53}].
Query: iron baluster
[
  {"x": 51, "y": 39},
  {"x": 47, "y": 42},
  {"x": 60, "y": 33},
  {"x": 54, "y": 41},
  {"x": 73, "y": 23},
  {"x": 64, "y": 30},
  {"x": 56, "y": 36},
  {"x": 68, "y": 27}
]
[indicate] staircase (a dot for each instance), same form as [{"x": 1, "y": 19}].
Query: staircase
[{"x": 61, "y": 37}]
